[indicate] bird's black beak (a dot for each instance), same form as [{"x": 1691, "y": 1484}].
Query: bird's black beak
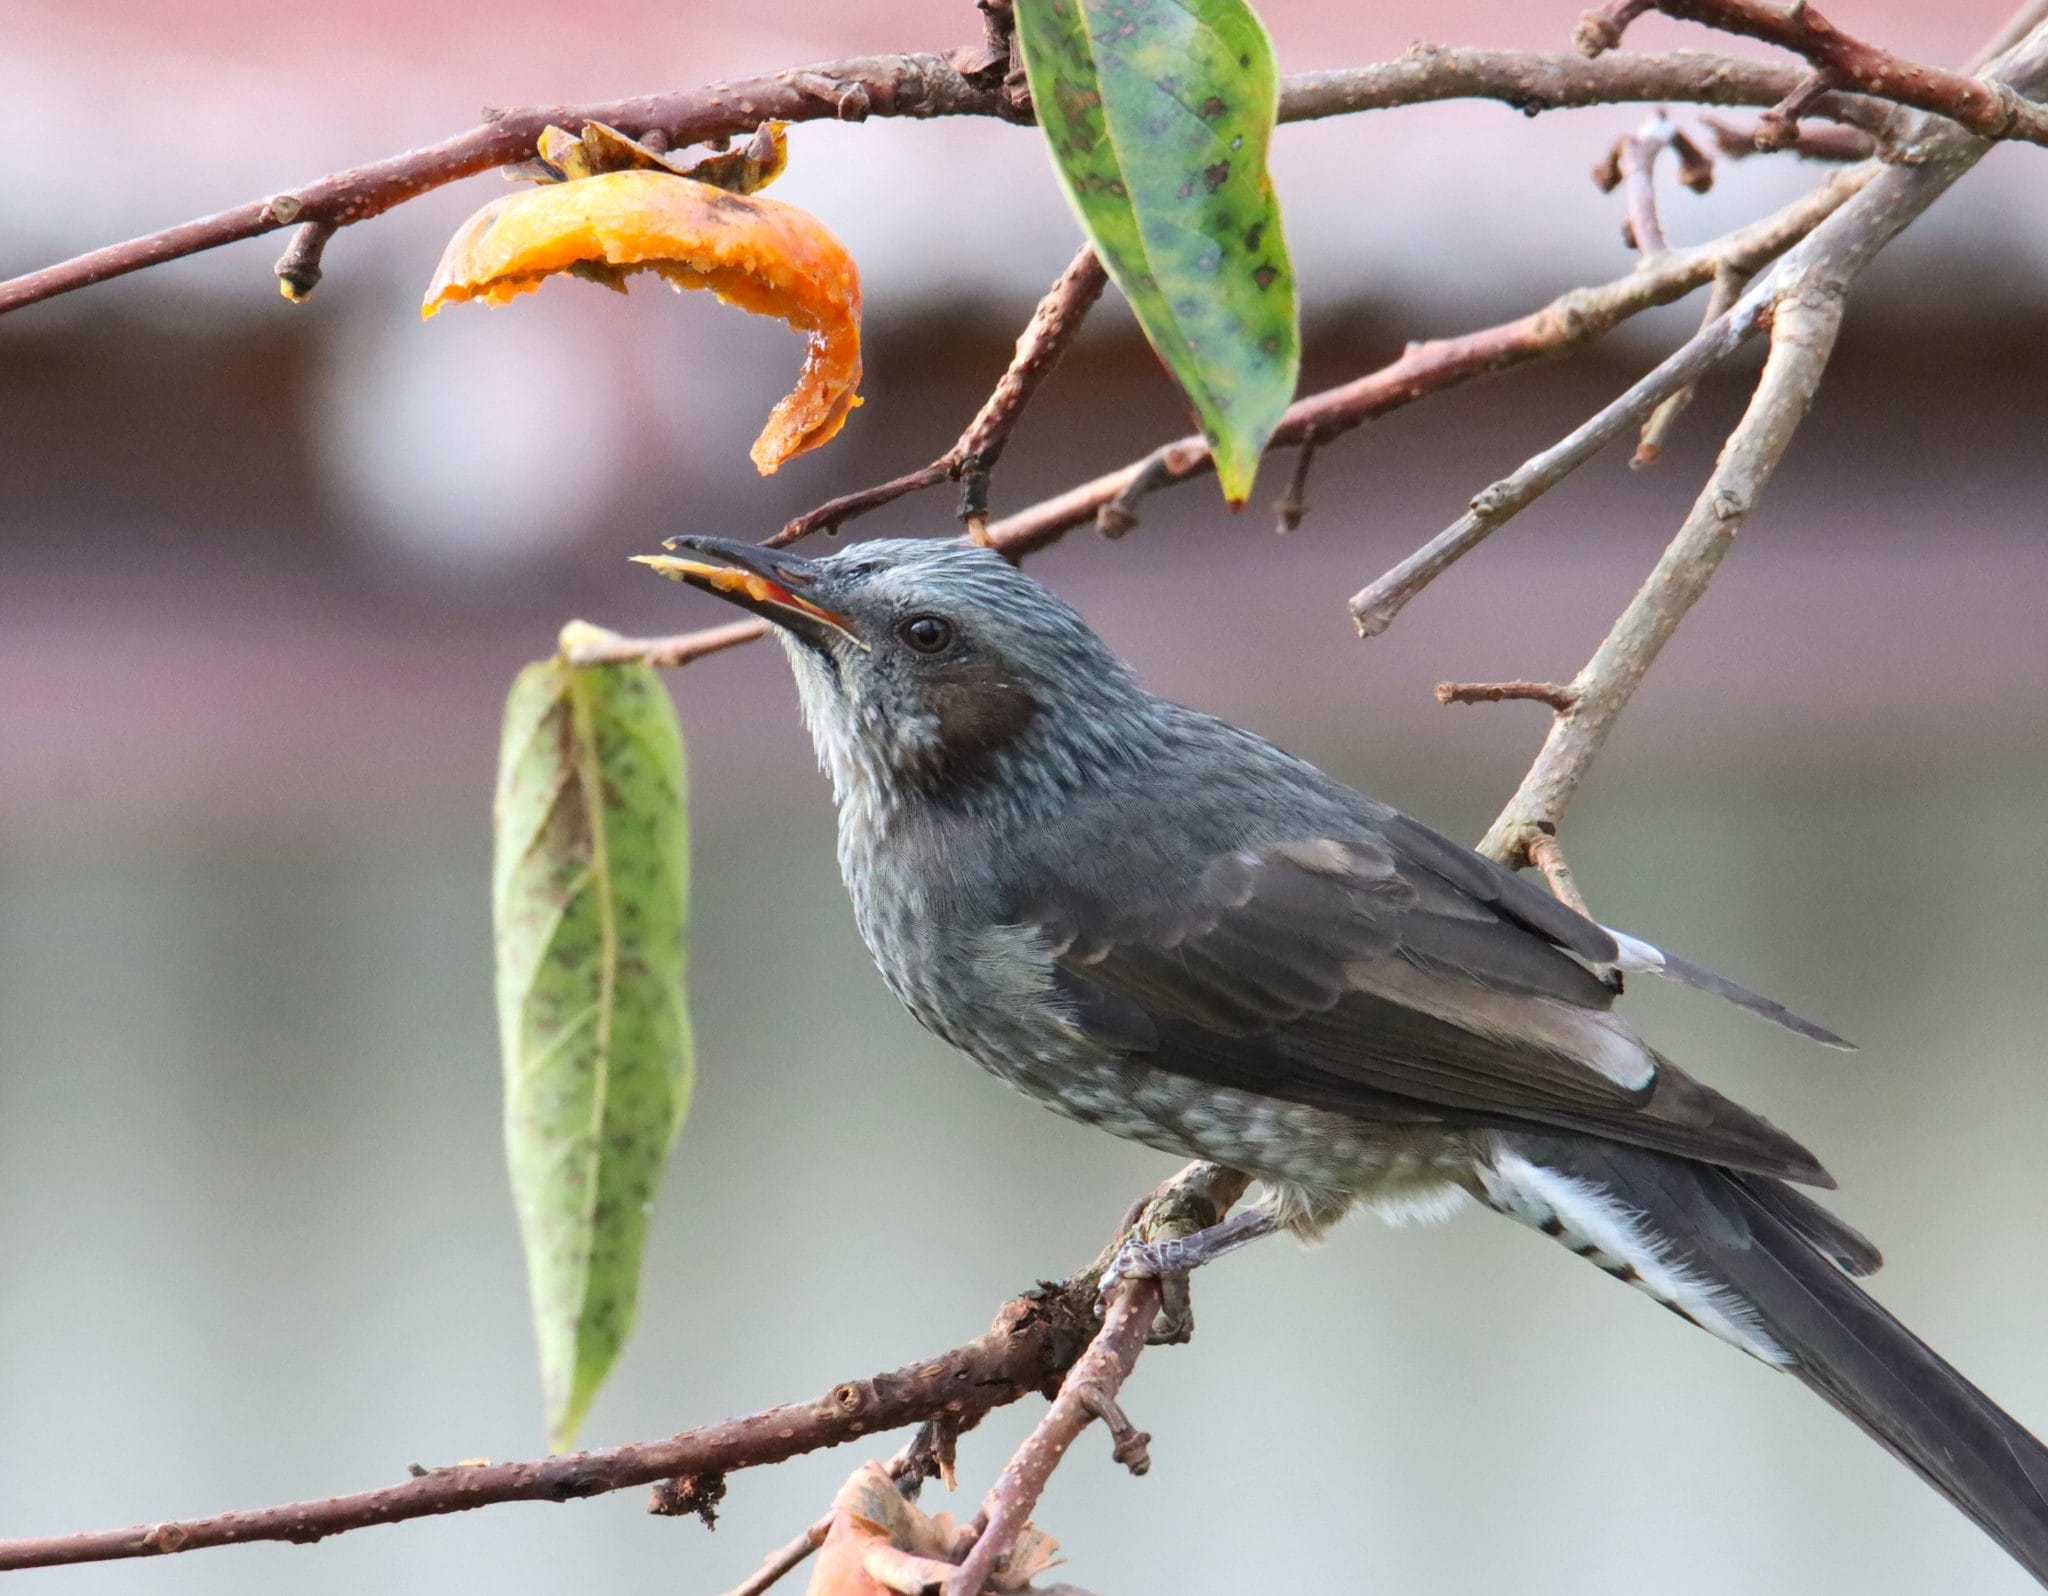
[{"x": 765, "y": 581}]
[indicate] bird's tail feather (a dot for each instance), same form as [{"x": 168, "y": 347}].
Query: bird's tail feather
[{"x": 1764, "y": 1266}]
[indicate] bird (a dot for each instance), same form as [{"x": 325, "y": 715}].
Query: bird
[{"x": 1154, "y": 922}]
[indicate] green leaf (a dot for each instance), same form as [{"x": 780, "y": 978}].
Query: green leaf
[
  {"x": 588, "y": 891},
  {"x": 1159, "y": 113}
]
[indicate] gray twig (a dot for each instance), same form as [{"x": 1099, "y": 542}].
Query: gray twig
[
  {"x": 1802, "y": 334},
  {"x": 1841, "y": 245}
]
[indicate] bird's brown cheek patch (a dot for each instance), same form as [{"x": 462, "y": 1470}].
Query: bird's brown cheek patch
[{"x": 980, "y": 713}]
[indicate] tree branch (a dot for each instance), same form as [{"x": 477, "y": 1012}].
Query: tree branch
[
  {"x": 1091, "y": 1385},
  {"x": 1568, "y": 322},
  {"x": 1045, "y": 338},
  {"x": 1808, "y": 288},
  {"x": 1729, "y": 283},
  {"x": 1990, "y": 109},
  {"x": 1036, "y": 1338},
  {"x": 916, "y": 85},
  {"x": 1090, "y": 1388},
  {"x": 1803, "y": 331},
  {"x": 1833, "y": 143},
  {"x": 1557, "y": 696},
  {"x": 1888, "y": 200},
  {"x": 1632, "y": 167}
]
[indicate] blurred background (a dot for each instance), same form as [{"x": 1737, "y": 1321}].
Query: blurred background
[{"x": 268, "y": 570}]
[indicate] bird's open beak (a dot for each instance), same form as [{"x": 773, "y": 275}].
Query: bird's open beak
[{"x": 765, "y": 581}]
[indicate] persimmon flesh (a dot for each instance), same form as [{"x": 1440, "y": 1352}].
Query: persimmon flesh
[{"x": 764, "y": 256}]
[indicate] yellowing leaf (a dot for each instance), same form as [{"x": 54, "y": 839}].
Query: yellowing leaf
[
  {"x": 768, "y": 258},
  {"x": 588, "y": 897}
]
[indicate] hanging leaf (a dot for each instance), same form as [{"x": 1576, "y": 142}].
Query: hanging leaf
[
  {"x": 588, "y": 890},
  {"x": 766, "y": 257},
  {"x": 1159, "y": 113}
]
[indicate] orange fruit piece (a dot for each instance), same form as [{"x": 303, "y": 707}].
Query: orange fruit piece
[{"x": 766, "y": 257}]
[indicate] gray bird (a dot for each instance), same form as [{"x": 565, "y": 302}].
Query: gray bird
[{"x": 1154, "y": 922}]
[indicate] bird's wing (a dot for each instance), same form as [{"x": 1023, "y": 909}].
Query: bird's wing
[
  {"x": 1519, "y": 899},
  {"x": 1380, "y": 975}
]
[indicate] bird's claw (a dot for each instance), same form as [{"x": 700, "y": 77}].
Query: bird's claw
[{"x": 1163, "y": 1261}]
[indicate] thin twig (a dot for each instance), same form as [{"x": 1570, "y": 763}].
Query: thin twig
[
  {"x": 1802, "y": 335},
  {"x": 1045, "y": 338},
  {"x": 298, "y": 268},
  {"x": 1292, "y": 505},
  {"x": 599, "y": 647},
  {"x": 1093, "y": 1380},
  {"x": 835, "y": 513},
  {"x": 1632, "y": 167},
  {"x": 1375, "y": 606},
  {"x": 2011, "y": 32},
  {"x": 1039, "y": 347},
  {"x": 1841, "y": 61},
  {"x": 1091, "y": 1384},
  {"x": 1729, "y": 283},
  {"x": 915, "y": 85},
  {"x": 1555, "y": 694},
  {"x": 1888, "y": 200},
  {"x": 1547, "y": 855},
  {"x": 1814, "y": 141},
  {"x": 784, "y": 1559}
]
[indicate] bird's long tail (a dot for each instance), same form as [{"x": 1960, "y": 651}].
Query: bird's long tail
[{"x": 1759, "y": 1264}]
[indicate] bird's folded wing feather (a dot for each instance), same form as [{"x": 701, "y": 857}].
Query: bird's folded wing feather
[
  {"x": 1519, "y": 899},
  {"x": 1377, "y": 975}
]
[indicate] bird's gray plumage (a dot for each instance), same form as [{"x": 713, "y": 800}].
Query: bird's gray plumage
[{"x": 1158, "y": 923}]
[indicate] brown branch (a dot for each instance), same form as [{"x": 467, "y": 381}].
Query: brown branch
[
  {"x": 1558, "y": 697},
  {"x": 915, "y": 85},
  {"x": 1989, "y": 109},
  {"x": 1828, "y": 142},
  {"x": 298, "y": 268},
  {"x": 1090, "y": 1388},
  {"x": 1045, "y": 338},
  {"x": 850, "y": 90},
  {"x": 1036, "y": 1338}
]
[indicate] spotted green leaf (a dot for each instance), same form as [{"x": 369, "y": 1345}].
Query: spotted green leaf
[
  {"x": 1159, "y": 113},
  {"x": 588, "y": 891}
]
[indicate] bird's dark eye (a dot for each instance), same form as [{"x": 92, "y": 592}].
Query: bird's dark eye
[{"x": 926, "y": 633}]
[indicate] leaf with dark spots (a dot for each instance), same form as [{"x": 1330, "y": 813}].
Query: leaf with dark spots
[
  {"x": 1158, "y": 114},
  {"x": 588, "y": 892}
]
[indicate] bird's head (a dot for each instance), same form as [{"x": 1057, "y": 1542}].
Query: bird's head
[{"x": 930, "y": 663}]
